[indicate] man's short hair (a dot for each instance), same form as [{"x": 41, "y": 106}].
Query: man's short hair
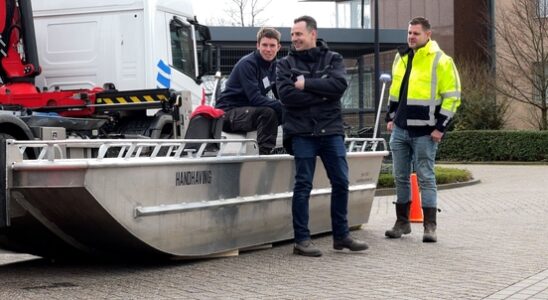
[
  {"x": 268, "y": 32},
  {"x": 310, "y": 22},
  {"x": 422, "y": 21}
]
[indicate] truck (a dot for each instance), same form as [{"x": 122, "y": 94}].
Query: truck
[{"x": 100, "y": 69}]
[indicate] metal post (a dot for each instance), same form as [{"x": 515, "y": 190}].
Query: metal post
[
  {"x": 218, "y": 58},
  {"x": 385, "y": 78},
  {"x": 377, "y": 58},
  {"x": 363, "y": 14},
  {"x": 361, "y": 94}
]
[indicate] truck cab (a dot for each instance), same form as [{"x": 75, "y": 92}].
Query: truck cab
[
  {"x": 133, "y": 44},
  {"x": 147, "y": 55}
]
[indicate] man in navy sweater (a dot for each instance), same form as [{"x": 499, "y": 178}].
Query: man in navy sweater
[{"x": 249, "y": 98}]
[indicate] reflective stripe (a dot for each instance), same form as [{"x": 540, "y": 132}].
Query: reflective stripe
[
  {"x": 417, "y": 122},
  {"x": 392, "y": 115},
  {"x": 418, "y": 102},
  {"x": 393, "y": 98},
  {"x": 434, "y": 91},
  {"x": 447, "y": 113},
  {"x": 434, "y": 78},
  {"x": 450, "y": 94}
]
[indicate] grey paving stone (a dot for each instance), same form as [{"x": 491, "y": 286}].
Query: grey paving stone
[{"x": 491, "y": 237}]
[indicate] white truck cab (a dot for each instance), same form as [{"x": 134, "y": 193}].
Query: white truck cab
[{"x": 134, "y": 44}]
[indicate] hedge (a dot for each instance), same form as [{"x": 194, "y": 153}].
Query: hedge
[
  {"x": 444, "y": 175},
  {"x": 491, "y": 145}
]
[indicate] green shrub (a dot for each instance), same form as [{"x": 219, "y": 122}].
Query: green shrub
[
  {"x": 490, "y": 145},
  {"x": 443, "y": 176},
  {"x": 385, "y": 181}
]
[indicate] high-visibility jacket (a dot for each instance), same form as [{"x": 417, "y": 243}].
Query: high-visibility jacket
[{"x": 434, "y": 89}]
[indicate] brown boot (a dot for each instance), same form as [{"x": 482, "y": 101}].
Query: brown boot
[
  {"x": 402, "y": 225},
  {"x": 429, "y": 225}
]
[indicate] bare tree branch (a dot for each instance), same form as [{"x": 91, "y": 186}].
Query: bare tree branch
[
  {"x": 256, "y": 9},
  {"x": 245, "y": 13},
  {"x": 522, "y": 68}
]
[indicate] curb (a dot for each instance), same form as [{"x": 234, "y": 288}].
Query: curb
[{"x": 392, "y": 191}]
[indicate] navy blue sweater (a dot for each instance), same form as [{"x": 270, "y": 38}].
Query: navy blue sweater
[{"x": 248, "y": 84}]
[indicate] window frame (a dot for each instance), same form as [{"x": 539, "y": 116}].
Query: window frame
[
  {"x": 537, "y": 73},
  {"x": 542, "y": 8},
  {"x": 186, "y": 64}
]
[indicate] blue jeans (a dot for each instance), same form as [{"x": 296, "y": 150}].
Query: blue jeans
[
  {"x": 422, "y": 152},
  {"x": 332, "y": 152}
]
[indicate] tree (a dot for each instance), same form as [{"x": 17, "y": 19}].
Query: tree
[
  {"x": 480, "y": 109},
  {"x": 245, "y": 12},
  {"x": 522, "y": 56}
]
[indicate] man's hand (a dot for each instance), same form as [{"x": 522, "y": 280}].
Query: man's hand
[
  {"x": 299, "y": 84},
  {"x": 436, "y": 135},
  {"x": 390, "y": 126}
]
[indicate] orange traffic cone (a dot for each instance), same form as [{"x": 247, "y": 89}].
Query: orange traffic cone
[{"x": 415, "y": 211}]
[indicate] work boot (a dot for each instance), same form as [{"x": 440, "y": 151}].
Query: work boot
[
  {"x": 349, "y": 243},
  {"x": 402, "y": 225},
  {"x": 306, "y": 248},
  {"x": 429, "y": 225}
]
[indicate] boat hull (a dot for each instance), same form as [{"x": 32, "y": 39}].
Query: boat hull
[{"x": 181, "y": 207}]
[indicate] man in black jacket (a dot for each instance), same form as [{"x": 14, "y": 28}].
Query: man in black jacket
[
  {"x": 246, "y": 99},
  {"x": 311, "y": 81}
]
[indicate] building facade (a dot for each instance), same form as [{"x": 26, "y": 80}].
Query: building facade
[{"x": 464, "y": 29}]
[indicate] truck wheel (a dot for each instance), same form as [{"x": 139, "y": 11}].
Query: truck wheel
[{"x": 5, "y": 136}]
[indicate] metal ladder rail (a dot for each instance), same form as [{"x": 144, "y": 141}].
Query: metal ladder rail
[
  {"x": 128, "y": 149},
  {"x": 364, "y": 144}
]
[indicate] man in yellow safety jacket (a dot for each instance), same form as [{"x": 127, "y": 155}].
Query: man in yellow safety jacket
[{"x": 424, "y": 96}]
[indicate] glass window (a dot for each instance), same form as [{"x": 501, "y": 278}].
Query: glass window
[
  {"x": 543, "y": 8},
  {"x": 182, "y": 48},
  {"x": 351, "y": 97},
  {"x": 349, "y": 14},
  {"x": 541, "y": 86}
]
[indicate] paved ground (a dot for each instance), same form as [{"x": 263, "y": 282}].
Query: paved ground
[{"x": 493, "y": 244}]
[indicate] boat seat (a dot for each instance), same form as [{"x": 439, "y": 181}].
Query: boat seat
[{"x": 204, "y": 127}]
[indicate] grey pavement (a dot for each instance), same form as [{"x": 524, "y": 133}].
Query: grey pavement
[{"x": 492, "y": 244}]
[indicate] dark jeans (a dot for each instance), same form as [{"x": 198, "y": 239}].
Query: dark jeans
[
  {"x": 251, "y": 118},
  {"x": 332, "y": 152}
]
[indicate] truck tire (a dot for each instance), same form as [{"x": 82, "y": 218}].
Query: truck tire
[{"x": 5, "y": 136}]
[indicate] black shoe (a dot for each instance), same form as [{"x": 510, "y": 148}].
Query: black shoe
[
  {"x": 349, "y": 243},
  {"x": 306, "y": 248}
]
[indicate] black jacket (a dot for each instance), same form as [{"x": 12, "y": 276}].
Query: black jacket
[
  {"x": 316, "y": 110},
  {"x": 247, "y": 86}
]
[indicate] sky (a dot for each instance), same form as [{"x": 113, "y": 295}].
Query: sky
[{"x": 280, "y": 13}]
